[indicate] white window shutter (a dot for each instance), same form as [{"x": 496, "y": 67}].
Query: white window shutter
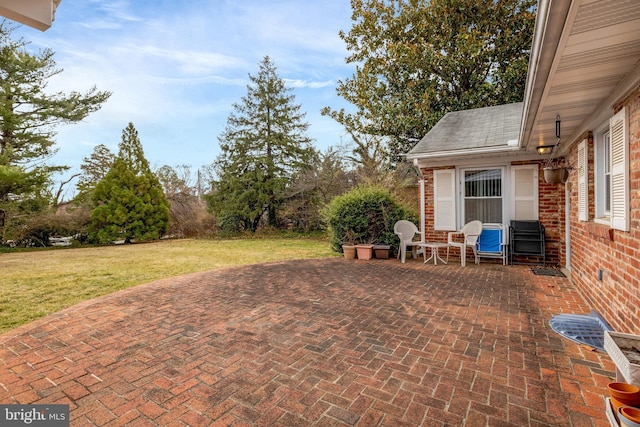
[
  {"x": 444, "y": 199},
  {"x": 583, "y": 189},
  {"x": 524, "y": 200},
  {"x": 618, "y": 128}
]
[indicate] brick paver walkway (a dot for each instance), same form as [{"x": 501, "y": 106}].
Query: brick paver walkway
[{"x": 316, "y": 342}]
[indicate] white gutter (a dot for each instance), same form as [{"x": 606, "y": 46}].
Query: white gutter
[
  {"x": 464, "y": 153},
  {"x": 548, "y": 33},
  {"x": 534, "y": 59}
]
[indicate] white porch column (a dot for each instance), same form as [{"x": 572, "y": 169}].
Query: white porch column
[{"x": 422, "y": 213}]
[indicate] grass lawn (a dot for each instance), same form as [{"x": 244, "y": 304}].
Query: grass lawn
[{"x": 37, "y": 283}]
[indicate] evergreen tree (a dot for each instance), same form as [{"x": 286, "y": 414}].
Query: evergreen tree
[
  {"x": 29, "y": 114},
  {"x": 130, "y": 204},
  {"x": 416, "y": 60},
  {"x": 262, "y": 147},
  {"x": 94, "y": 168}
]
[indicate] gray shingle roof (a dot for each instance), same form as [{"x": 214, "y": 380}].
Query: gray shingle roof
[{"x": 473, "y": 129}]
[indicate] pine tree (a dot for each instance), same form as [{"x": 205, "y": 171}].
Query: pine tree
[
  {"x": 94, "y": 169},
  {"x": 262, "y": 147},
  {"x": 29, "y": 114},
  {"x": 130, "y": 204}
]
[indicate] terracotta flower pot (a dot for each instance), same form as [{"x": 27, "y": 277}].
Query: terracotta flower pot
[
  {"x": 616, "y": 405},
  {"x": 349, "y": 251},
  {"x": 629, "y": 416},
  {"x": 626, "y": 394},
  {"x": 365, "y": 251}
]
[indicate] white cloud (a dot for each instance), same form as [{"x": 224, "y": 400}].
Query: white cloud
[
  {"x": 176, "y": 67},
  {"x": 307, "y": 84},
  {"x": 188, "y": 61},
  {"x": 111, "y": 15},
  {"x": 218, "y": 80}
]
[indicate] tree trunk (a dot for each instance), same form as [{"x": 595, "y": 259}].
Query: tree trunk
[{"x": 273, "y": 220}]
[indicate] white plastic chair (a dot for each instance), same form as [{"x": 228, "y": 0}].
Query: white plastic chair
[
  {"x": 471, "y": 231},
  {"x": 406, "y": 231}
]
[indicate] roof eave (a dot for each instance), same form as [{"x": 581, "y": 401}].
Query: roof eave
[
  {"x": 550, "y": 20},
  {"x": 467, "y": 153},
  {"x": 38, "y": 14}
]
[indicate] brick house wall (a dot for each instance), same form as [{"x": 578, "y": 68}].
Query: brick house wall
[
  {"x": 430, "y": 235},
  {"x": 551, "y": 215},
  {"x": 616, "y": 253},
  {"x": 595, "y": 247}
]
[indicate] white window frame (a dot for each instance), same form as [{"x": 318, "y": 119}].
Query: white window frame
[
  {"x": 602, "y": 156},
  {"x": 448, "y": 194},
  {"x": 503, "y": 190},
  {"x": 613, "y": 136}
]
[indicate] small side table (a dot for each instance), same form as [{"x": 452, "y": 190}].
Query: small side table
[{"x": 435, "y": 246}]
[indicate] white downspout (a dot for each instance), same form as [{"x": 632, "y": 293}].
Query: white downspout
[{"x": 422, "y": 199}]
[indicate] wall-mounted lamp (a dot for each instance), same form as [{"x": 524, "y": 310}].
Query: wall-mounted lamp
[
  {"x": 544, "y": 149},
  {"x": 548, "y": 149}
]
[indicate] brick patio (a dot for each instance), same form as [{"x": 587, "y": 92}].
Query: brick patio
[{"x": 316, "y": 342}]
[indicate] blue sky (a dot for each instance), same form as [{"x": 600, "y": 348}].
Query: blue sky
[{"x": 176, "y": 67}]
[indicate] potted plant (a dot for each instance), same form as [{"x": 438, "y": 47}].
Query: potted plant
[
  {"x": 348, "y": 246},
  {"x": 363, "y": 215},
  {"x": 381, "y": 251},
  {"x": 556, "y": 171},
  {"x": 365, "y": 250}
]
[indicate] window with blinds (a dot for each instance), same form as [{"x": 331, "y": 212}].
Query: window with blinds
[
  {"x": 602, "y": 175},
  {"x": 482, "y": 196}
]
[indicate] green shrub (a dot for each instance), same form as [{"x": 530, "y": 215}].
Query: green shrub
[{"x": 364, "y": 215}]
